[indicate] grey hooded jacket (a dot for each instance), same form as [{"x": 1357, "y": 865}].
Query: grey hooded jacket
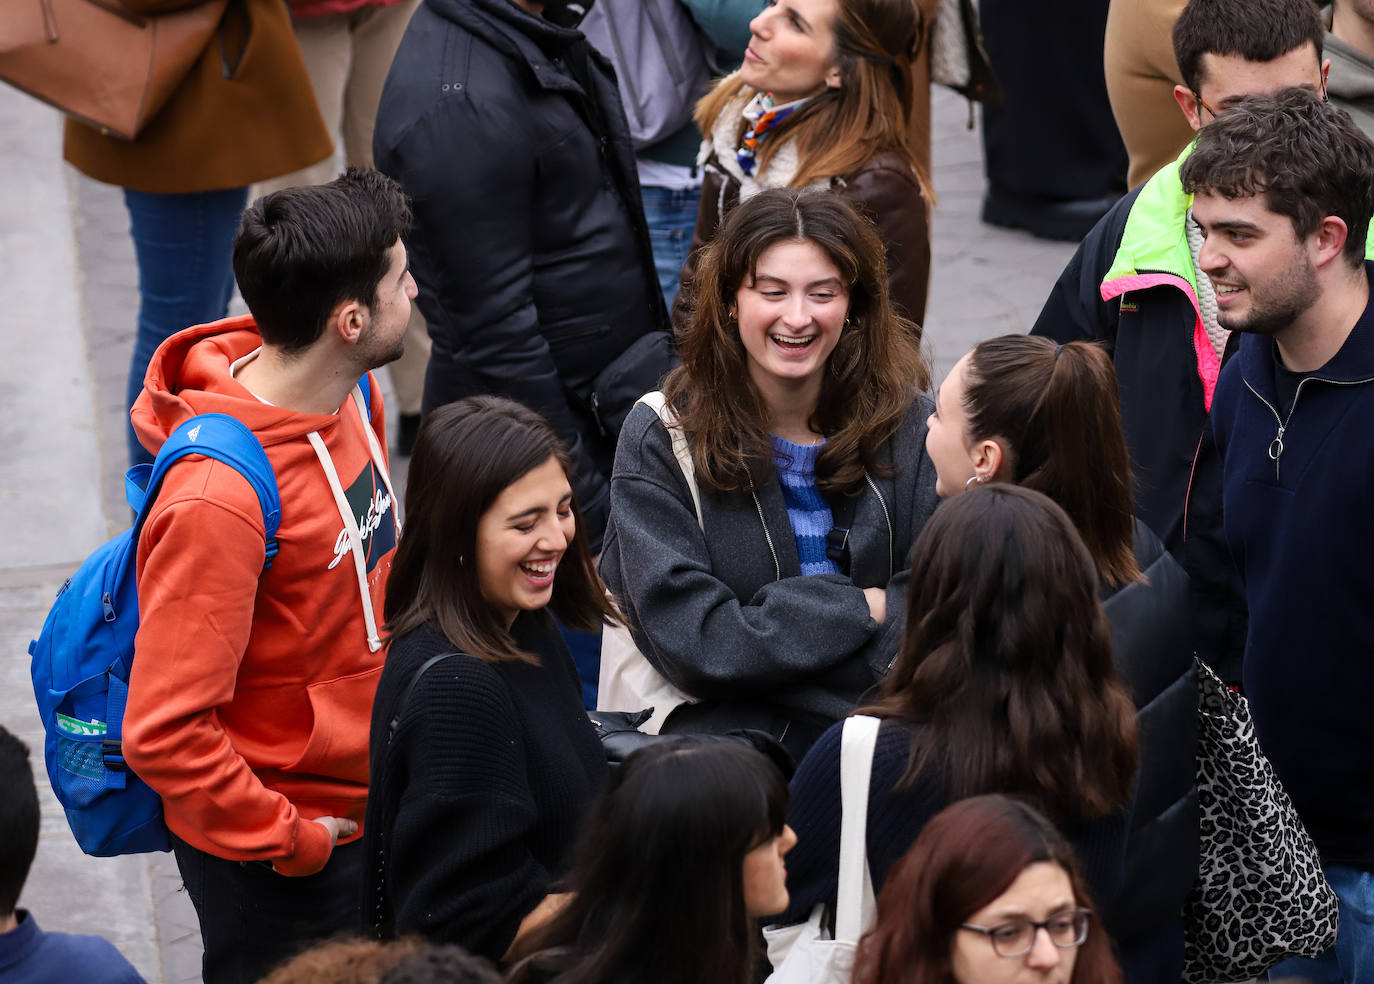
[{"x": 726, "y": 615}]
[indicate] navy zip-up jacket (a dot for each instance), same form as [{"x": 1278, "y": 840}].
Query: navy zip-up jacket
[{"x": 1296, "y": 497}]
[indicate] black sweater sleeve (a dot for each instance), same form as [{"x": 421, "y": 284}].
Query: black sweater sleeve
[{"x": 461, "y": 869}]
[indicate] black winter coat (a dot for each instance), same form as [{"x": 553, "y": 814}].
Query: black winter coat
[
  {"x": 1168, "y": 430},
  {"x": 529, "y": 243},
  {"x": 1153, "y": 654}
]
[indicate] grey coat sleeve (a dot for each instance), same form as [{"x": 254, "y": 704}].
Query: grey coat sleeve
[{"x": 686, "y": 620}]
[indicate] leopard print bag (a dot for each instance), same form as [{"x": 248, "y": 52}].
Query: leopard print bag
[{"x": 1260, "y": 895}]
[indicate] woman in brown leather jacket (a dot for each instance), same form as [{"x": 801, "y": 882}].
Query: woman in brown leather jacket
[{"x": 823, "y": 99}]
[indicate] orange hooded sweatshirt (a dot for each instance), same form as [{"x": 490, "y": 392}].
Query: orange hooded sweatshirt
[{"x": 251, "y": 694}]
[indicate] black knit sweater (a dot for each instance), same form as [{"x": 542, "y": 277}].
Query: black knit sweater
[
  {"x": 478, "y": 797},
  {"x": 896, "y": 817}
]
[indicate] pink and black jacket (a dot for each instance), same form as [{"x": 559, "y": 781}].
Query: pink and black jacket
[{"x": 1132, "y": 285}]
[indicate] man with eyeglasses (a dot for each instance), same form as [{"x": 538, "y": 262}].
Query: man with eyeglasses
[{"x": 1135, "y": 284}]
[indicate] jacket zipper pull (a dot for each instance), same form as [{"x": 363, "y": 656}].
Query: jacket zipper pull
[{"x": 1276, "y": 446}]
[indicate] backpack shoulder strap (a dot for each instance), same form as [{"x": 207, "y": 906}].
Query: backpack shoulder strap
[
  {"x": 222, "y": 437},
  {"x": 366, "y": 387},
  {"x": 659, "y": 404}
]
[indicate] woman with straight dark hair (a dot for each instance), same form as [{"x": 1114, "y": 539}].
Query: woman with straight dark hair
[
  {"x": 1004, "y": 684},
  {"x": 683, "y": 853},
  {"x": 483, "y": 760},
  {"x": 823, "y": 100},
  {"x": 799, "y": 397},
  {"x": 1048, "y": 417},
  {"x": 989, "y": 893}
]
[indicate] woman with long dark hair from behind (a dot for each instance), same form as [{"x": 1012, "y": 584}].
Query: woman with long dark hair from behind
[
  {"x": 1004, "y": 684},
  {"x": 683, "y": 853},
  {"x": 800, "y": 399},
  {"x": 989, "y": 893},
  {"x": 1047, "y": 417},
  {"x": 483, "y": 760}
]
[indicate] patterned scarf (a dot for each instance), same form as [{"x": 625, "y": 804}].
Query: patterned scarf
[{"x": 762, "y": 116}]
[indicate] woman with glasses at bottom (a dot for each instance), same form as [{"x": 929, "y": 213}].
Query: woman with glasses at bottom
[
  {"x": 989, "y": 893},
  {"x": 1003, "y": 684}
]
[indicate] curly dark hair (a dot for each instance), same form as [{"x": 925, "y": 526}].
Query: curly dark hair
[{"x": 1307, "y": 157}]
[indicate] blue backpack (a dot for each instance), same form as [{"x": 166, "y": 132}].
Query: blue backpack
[{"x": 83, "y": 656}]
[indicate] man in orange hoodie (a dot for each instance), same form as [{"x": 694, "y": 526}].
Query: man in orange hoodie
[{"x": 251, "y": 694}]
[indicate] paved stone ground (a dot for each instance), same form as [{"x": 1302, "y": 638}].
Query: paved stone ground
[{"x": 68, "y": 278}]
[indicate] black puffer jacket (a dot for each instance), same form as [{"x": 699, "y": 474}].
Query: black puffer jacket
[
  {"x": 529, "y": 243},
  {"x": 1153, "y": 652}
]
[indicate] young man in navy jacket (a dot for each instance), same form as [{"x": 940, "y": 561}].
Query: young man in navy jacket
[{"x": 1283, "y": 190}]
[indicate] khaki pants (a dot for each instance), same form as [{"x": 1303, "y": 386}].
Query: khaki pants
[
  {"x": 348, "y": 57},
  {"x": 1141, "y": 75}
]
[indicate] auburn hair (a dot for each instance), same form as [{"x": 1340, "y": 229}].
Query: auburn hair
[
  {"x": 1057, "y": 412},
  {"x": 966, "y": 856},
  {"x": 839, "y": 130},
  {"x": 871, "y": 378}
]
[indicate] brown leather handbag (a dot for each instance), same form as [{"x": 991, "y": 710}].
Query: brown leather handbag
[{"x": 100, "y": 62}]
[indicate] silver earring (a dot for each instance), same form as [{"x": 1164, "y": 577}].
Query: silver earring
[{"x": 975, "y": 480}]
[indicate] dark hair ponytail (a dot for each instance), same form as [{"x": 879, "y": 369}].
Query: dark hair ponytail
[{"x": 1058, "y": 411}]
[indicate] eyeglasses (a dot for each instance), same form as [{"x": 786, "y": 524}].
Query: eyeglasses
[
  {"x": 1203, "y": 103},
  {"x": 1017, "y": 937}
]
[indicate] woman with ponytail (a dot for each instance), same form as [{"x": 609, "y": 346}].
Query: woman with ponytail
[
  {"x": 822, "y": 100},
  {"x": 1021, "y": 409}
]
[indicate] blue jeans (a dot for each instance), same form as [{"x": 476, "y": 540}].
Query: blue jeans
[
  {"x": 183, "y": 245},
  {"x": 1351, "y": 960},
  {"x": 672, "y": 217}
]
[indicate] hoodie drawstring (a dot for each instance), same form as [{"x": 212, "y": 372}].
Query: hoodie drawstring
[{"x": 374, "y": 641}]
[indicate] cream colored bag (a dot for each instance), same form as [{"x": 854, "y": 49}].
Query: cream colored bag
[
  {"x": 628, "y": 681},
  {"x": 805, "y": 954}
]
